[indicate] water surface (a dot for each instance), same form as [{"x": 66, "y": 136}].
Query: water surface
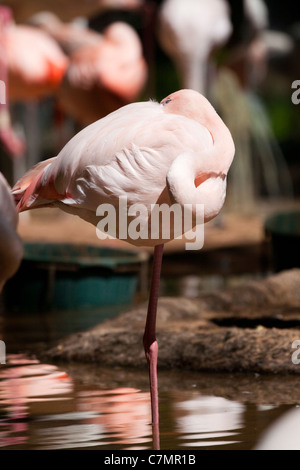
[
  {"x": 45, "y": 406},
  {"x": 85, "y": 406}
]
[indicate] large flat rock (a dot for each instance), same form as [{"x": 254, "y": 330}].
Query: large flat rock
[{"x": 248, "y": 328}]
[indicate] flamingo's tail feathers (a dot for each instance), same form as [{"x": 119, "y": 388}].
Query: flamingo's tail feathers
[{"x": 32, "y": 190}]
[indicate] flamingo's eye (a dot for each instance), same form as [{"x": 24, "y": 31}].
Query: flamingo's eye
[{"x": 166, "y": 101}]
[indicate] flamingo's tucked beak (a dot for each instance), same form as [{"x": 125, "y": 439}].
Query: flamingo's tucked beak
[{"x": 201, "y": 178}]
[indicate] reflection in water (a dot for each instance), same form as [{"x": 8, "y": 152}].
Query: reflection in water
[
  {"x": 124, "y": 414},
  {"x": 207, "y": 419},
  {"x": 44, "y": 407},
  {"x": 21, "y": 383},
  {"x": 63, "y": 418}
]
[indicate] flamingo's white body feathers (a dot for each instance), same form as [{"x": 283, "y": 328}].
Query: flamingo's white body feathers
[{"x": 130, "y": 153}]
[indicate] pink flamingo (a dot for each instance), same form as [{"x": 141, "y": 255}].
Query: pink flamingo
[
  {"x": 35, "y": 68},
  {"x": 11, "y": 248},
  {"x": 104, "y": 74},
  {"x": 70, "y": 36},
  {"x": 106, "y": 71},
  {"x": 11, "y": 142},
  {"x": 36, "y": 64},
  {"x": 178, "y": 151},
  {"x": 189, "y": 31}
]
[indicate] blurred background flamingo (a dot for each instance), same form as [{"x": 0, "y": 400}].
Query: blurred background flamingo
[
  {"x": 104, "y": 74},
  {"x": 104, "y": 77},
  {"x": 188, "y": 32},
  {"x": 106, "y": 71},
  {"x": 36, "y": 64},
  {"x": 35, "y": 67},
  {"x": 11, "y": 143}
]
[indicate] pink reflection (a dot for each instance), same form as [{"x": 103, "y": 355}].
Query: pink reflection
[
  {"x": 123, "y": 412},
  {"x": 118, "y": 416},
  {"x": 21, "y": 381}
]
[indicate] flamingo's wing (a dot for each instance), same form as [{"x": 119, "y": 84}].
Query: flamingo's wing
[{"x": 127, "y": 154}]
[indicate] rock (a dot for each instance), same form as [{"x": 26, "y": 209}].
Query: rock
[{"x": 205, "y": 334}]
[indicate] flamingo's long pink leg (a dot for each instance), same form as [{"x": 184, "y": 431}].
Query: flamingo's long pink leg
[{"x": 150, "y": 343}]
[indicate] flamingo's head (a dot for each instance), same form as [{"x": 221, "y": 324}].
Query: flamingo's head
[
  {"x": 191, "y": 104},
  {"x": 200, "y": 177}
]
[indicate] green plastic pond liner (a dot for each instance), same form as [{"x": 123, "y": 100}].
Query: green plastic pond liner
[
  {"x": 61, "y": 276},
  {"x": 284, "y": 231}
]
